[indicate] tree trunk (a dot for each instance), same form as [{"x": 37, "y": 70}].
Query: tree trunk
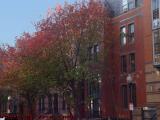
[{"x": 76, "y": 104}]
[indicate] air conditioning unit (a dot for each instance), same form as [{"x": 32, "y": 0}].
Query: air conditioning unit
[{"x": 156, "y": 23}]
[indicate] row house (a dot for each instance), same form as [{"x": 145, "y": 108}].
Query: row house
[
  {"x": 135, "y": 60},
  {"x": 52, "y": 104},
  {"x": 129, "y": 87}
]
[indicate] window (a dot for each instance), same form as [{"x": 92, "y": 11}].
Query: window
[
  {"x": 156, "y": 35},
  {"x": 63, "y": 103},
  {"x": 124, "y": 5},
  {"x": 90, "y": 53},
  {"x": 55, "y": 103},
  {"x": 132, "y": 62},
  {"x": 123, "y": 39},
  {"x": 42, "y": 104},
  {"x": 138, "y": 3},
  {"x": 123, "y": 64},
  {"x": 3, "y": 106},
  {"x": 94, "y": 93},
  {"x": 132, "y": 93},
  {"x": 96, "y": 50},
  {"x": 50, "y": 110},
  {"x": 93, "y": 52},
  {"x": 155, "y": 8},
  {"x": 124, "y": 96},
  {"x": 131, "y": 32},
  {"x": 131, "y": 4}
]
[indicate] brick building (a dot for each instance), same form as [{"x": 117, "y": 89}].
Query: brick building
[
  {"x": 131, "y": 83},
  {"x": 135, "y": 82}
]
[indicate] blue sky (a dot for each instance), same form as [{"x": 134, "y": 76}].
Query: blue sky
[{"x": 17, "y": 16}]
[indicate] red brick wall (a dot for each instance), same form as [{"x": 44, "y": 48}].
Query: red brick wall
[{"x": 142, "y": 48}]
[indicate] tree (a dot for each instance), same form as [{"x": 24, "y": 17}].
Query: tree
[
  {"x": 58, "y": 55},
  {"x": 76, "y": 28},
  {"x": 36, "y": 69},
  {"x": 26, "y": 68}
]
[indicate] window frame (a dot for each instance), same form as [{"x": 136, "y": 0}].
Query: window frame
[
  {"x": 63, "y": 103},
  {"x": 133, "y": 94},
  {"x": 41, "y": 104},
  {"x": 155, "y": 9},
  {"x": 123, "y": 63},
  {"x": 156, "y": 36},
  {"x": 123, "y": 37},
  {"x": 96, "y": 51},
  {"x": 56, "y": 103},
  {"x": 124, "y": 93},
  {"x": 94, "y": 93},
  {"x": 93, "y": 52},
  {"x": 131, "y": 63},
  {"x": 131, "y": 34},
  {"x": 90, "y": 53},
  {"x": 124, "y": 5}
]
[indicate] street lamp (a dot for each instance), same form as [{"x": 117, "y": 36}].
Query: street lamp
[{"x": 131, "y": 106}]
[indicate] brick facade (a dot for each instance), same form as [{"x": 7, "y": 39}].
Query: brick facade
[{"x": 146, "y": 75}]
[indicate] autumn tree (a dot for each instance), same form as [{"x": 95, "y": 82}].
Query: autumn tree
[
  {"x": 36, "y": 70},
  {"x": 77, "y": 28},
  {"x": 60, "y": 54},
  {"x": 26, "y": 68}
]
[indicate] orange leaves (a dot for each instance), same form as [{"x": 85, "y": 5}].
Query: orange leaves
[
  {"x": 59, "y": 38},
  {"x": 71, "y": 23}
]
